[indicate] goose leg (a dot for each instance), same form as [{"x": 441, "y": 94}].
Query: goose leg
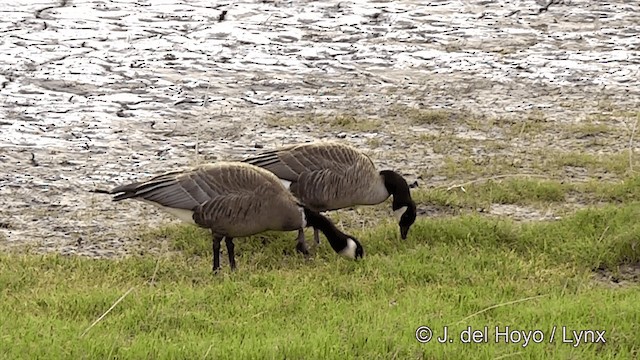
[
  {"x": 216, "y": 252},
  {"x": 316, "y": 235},
  {"x": 232, "y": 256},
  {"x": 302, "y": 244}
]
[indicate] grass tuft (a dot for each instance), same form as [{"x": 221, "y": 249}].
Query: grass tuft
[{"x": 429, "y": 116}]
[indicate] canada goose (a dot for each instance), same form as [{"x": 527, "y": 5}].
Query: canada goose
[
  {"x": 328, "y": 176},
  {"x": 234, "y": 199}
]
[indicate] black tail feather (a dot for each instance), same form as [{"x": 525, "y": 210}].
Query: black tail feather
[
  {"x": 100, "y": 191},
  {"x": 118, "y": 197},
  {"x": 263, "y": 160}
]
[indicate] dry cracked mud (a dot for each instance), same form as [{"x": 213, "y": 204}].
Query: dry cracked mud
[{"x": 97, "y": 93}]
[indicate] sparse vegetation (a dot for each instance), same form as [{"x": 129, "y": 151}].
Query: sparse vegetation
[
  {"x": 374, "y": 142},
  {"x": 343, "y": 122},
  {"x": 429, "y": 117},
  {"x": 617, "y": 164},
  {"x": 587, "y": 129},
  {"x": 531, "y": 190}
]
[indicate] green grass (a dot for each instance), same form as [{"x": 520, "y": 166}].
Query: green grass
[
  {"x": 533, "y": 191},
  {"x": 280, "y": 305},
  {"x": 342, "y": 122}
]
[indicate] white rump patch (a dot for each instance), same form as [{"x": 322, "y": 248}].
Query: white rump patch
[
  {"x": 398, "y": 213},
  {"x": 350, "y": 250},
  {"x": 287, "y": 184},
  {"x": 182, "y": 214}
]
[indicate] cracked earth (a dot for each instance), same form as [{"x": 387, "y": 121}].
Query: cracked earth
[{"x": 97, "y": 93}]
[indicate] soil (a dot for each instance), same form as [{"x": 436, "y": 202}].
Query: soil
[{"x": 98, "y": 93}]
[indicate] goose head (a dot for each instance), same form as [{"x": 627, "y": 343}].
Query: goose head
[
  {"x": 344, "y": 244},
  {"x": 406, "y": 216},
  {"x": 353, "y": 250},
  {"x": 404, "y": 208}
]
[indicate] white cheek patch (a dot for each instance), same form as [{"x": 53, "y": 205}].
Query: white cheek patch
[
  {"x": 398, "y": 213},
  {"x": 287, "y": 184},
  {"x": 350, "y": 250}
]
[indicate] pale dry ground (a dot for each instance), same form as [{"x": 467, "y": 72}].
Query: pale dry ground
[{"x": 96, "y": 93}]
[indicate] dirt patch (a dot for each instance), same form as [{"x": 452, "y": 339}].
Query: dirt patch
[
  {"x": 518, "y": 212},
  {"x": 98, "y": 93},
  {"x": 624, "y": 275}
]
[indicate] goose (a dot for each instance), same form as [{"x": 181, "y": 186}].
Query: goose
[
  {"x": 329, "y": 176},
  {"x": 234, "y": 199}
]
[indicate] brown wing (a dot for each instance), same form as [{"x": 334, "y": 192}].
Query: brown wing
[
  {"x": 323, "y": 190},
  {"x": 236, "y": 214},
  {"x": 324, "y": 175},
  {"x": 191, "y": 188},
  {"x": 290, "y": 162}
]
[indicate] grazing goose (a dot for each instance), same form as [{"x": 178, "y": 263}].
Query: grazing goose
[
  {"x": 328, "y": 176},
  {"x": 234, "y": 199}
]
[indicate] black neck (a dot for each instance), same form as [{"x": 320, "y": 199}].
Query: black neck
[
  {"x": 337, "y": 238},
  {"x": 397, "y": 187}
]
